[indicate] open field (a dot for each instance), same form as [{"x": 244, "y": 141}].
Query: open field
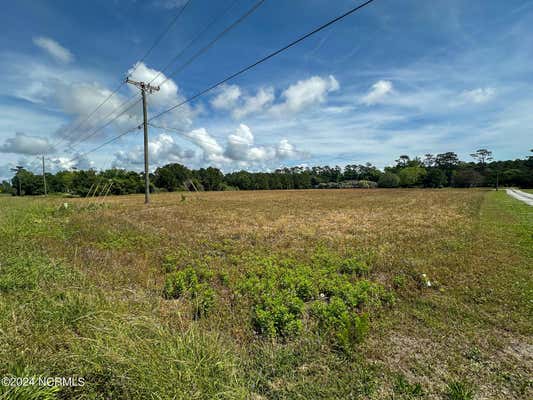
[{"x": 319, "y": 294}]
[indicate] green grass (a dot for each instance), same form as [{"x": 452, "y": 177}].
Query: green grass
[{"x": 319, "y": 296}]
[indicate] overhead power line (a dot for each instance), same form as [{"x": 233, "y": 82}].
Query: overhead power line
[
  {"x": 245, "y": 69},
  {"x": 169, "y": 26},
  {"x": 188, "y": 62},
  {"x": 214, "y": 41},
  {"x": 262, "y": 60},
  {"x": 77, "y": 157},
  {"x": 100, "y": 128}
]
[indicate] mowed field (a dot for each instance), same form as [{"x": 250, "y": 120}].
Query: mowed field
[{"x": 311, "y": 294}]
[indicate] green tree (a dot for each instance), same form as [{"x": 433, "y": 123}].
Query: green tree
[
  {"x": 411, "y": 176},
  {"x": 435, "y": 178},
  {"x": 210, "y": 178},
  {"x": 5, "y": 187},
  {"x": 171, "y": 176},
  {"x": 389, "y": 180},
  {"x": 468, "y": 177},
  {"x": 482, "y": 156}
]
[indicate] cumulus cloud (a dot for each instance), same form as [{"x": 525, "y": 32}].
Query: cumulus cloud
[
  {"x": 253, "y": 104},
  {"x": 79, "y": 99},
  {"x": 295, "y": 98},
  {"x": 306, "y": 93},
  {"x": 25, "y": 144},
  {"x": 78, "y": 161},
  {"x": 379, "y": 91},
  {"x": 53, "y": 48},
  {"x": 227, "y": 97},
  {"x": 163, "y": 149},
  {"x": 479, "y": 95},
  {"x": 240, "y": 149},
  {"x": 168, "y": 95}
]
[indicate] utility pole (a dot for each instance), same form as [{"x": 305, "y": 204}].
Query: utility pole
[
  {"x": 145, "y": 87},
  {"x": 44, "y": 178}
]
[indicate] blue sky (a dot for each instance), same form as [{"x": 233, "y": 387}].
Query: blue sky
[{"x": 398, "y": 77}]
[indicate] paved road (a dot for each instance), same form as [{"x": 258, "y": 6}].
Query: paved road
[{"x": 522, "y": 196}]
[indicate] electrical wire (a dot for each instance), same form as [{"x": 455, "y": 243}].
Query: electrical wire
[
  {"x": 247, "y": 68},
  {"x": 203, "y": 50},
  {"x": 262, "y": 60},
  {"x": 146, "y": 54}
]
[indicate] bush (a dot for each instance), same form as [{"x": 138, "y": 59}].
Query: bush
[
  {"x": 177, "y": 283},
  {"x": 203, "y": 300},
  {"x": 279, "y": 316},
  {"x": 389, "y": 180},
  {"x": 354, "y": 266},
  {"x": 344, "y": 327}
]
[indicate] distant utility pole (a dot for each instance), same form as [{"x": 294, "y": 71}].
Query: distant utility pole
[
  {"x": 145, "y": 87},
  {"x": 44, "y": 178}
]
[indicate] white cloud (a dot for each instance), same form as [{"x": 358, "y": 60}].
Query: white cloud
[
  {"x": 78, "y": 161},
  {"x": 227, "y": 97},
  {"x": 479, "y": 95},
  {"x": 168, "y": 95},
  {"x": 379, "y": 91},
  {"x": 80, "y": 99},
  {"x": 205, "y": 141},
  {"x": 25, "y": 144},
  {"x": 53, "y": 48},
  {"x": 253, "y": 104},
  {"x": 163, "y": 149},
  {"x": 240, "y": 149},
  {"x": 295, "y": 98},
  {"x": 306, "y": 93}
]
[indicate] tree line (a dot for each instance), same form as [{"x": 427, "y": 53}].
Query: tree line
[{"x": 430, "y": 171}]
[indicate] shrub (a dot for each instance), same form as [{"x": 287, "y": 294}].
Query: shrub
[
  {"x": 389, "y": 180},
  {"x": 398, "y": 281},
  {"x": 354, "y": 266},
  {"x": 170, "y": 262},
  {"x": 279, "y": 316},
  {"x": 203, "y": 300},
  {"x": 345, "y": 327},
  {"x": 177, "y": 283}
]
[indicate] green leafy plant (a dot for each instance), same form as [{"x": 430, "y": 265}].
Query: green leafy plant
[
  {"x": 278, "y": 316},
  {"x": 177, "y": 283},
  {"x": 403, "y": 389},
  {"x": 203, "y": 297},
  {"x": 457, "y": 390},
  {"x": 354, "y": 266}
]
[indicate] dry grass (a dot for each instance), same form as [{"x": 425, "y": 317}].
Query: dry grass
[{"x": 472, "y": 325}]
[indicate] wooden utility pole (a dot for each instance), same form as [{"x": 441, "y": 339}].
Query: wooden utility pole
[
  {"x": 145, "y": 87},
  {"x": 44, "y": 178}
]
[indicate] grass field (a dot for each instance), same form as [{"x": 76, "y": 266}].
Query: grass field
[{"x": 383, "y": 294}]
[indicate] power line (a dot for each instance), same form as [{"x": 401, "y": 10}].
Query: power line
[
  {"x": 262, "y": 60},
  {"x": 194, "y": 40},
  {"x": 146, "y": 54},
  {"x": 98, "y": 129},
  {"x": 188, "y": 62},
  {"x": 105, "y": 143},
  {"x": 167, "y": 128},
  {"x": 245, "y": 69},
  {"x": 162, "y": 35},
  {"x": 215, "y": 40}
]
